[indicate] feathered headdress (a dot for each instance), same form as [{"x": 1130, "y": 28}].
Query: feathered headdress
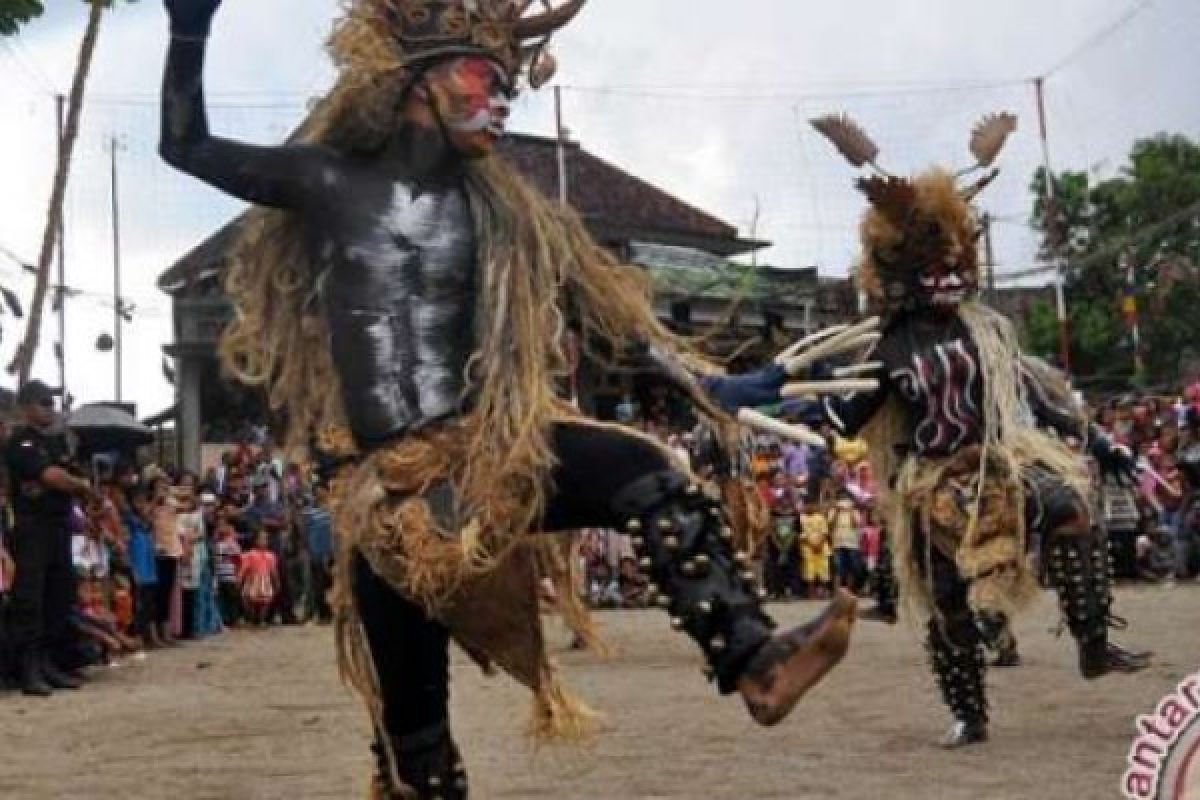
[
  {"x": 386, "y": 37},
  {"x": 913, "y": 222}
]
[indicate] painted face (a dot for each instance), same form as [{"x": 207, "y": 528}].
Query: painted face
[
  {"x": 472, "y": 97},
  {"x": 945, "y": 277}
]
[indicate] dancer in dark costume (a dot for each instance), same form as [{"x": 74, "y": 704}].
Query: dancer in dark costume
[
  {"x": 401, "y": 295},
  {"x": 958, "y": 431}
]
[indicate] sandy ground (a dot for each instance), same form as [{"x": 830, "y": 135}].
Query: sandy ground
[{"x": 262, "y": 715}]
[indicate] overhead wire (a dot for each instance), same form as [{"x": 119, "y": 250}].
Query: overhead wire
[{"x": 1099, "y": 37}]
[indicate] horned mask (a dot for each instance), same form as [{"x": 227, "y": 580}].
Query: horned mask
[{"x": 920, "y": 235}]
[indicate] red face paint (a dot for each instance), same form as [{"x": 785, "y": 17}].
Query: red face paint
[{"x": 471, "y": 94}]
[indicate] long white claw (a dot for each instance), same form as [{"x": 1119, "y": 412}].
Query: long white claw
[
  {"x": 797, "y": 433},
  {"x": 808, "y": 341},
  {"x": 858, "y": 369},
  {"x": 820, "y": 388},
  {"x": 842, "y": 343}
]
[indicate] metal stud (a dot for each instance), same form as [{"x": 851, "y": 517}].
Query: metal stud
[
  {"x": 677, "y": 623},
  {"x": 693, "y": 489},
  {"x": 717, "y": 644},
  {"x": 741, "y": 559},
  {"x": 646, "y": 563},
  {"x": 664, "y": 601},
  {"x": 666, "y": 525},
  {"x": 688, "y": 568},
  {"x": 638, "y": 542},
  {"x": 748, "y": 576},
  {"x": 633, "y": 526},
  {"x": 704, "y": 607},
  {"x": 671, "y": 542},
  {"x": 726, "y": 534}
]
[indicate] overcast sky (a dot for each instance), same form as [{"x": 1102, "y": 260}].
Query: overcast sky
[{"x": 705, "y": 98}]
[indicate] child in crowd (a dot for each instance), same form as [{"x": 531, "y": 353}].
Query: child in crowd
[
  {"x": 634, "y": 585},
  {"x": 144, "y": 567},
  {"x": 603, "y": 590},
  {"x": 122, "y": 604},
  {"x": 781, "y": 572},
  {"x": 815, "y": 549},
  {"x": 168, "y": 549},
  {"x": 872, "y": 544},
  {"x": 190, "y": 522},
  {"x": 98, "y": 625},
  {"x": 845, "y": 526},
  {"x": 228, "y": 558},
  {"x": 258, "y": 577}
]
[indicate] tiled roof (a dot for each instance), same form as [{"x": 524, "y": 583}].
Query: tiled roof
[{"x": 604, "y": 193}]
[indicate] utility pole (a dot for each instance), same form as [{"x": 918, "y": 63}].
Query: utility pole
[
  {"x": 989, "y": 255},
  {"x": 118, "y": 306},
  {"x": 60, "y": 102},
  {"x": 561, "y": 136},
  {"x": 1064, "y": 332}
]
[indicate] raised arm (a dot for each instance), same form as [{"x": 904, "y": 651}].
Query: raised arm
[{"x": 281, "y": 177}]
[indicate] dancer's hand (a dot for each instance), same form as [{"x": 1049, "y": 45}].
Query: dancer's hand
[
  {"x": 191, "y": 17},
  {"x": 805, "y": 360},
  {"x": 1117, "y": 462}
]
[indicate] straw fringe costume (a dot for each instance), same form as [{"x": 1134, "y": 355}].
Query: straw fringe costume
[
  {"x": 403, "y": 300},
  {"x": 970, "y": 436}
]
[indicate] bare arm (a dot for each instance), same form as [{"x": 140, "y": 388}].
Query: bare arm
[
  {"x": 280, "y": 177},
  {"x": 60, "y": 480}
]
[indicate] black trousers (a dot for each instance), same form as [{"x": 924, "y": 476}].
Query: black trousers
[
  {"x": 44, "y": 586},
  {"x": 410, "y": 650},
  {"x": 168, "y": 571},
  {"x": 321, "y": 582},
  {"x": 145, "y": 610},
  {"x": 229, "y": 598}
]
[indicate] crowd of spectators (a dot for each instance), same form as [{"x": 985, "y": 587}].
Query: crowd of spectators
[
  {"x": 154, "y": 558},
  {"x": 1159, "y": 517},
  {"x": 824, "y": 531}
]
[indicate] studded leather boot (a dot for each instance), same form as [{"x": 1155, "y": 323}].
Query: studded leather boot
[
  {"x": 1080, "y": 570},
  {"x": 428, "y": 764},
  {"x": 957, "y": 657},
  {"x": 684, "y": 546}
]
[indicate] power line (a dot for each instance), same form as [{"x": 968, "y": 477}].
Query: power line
[
  {"x": 1111, "y": 250},
  {"x": 794, "y": 93},
  {"x": 1100, "y": 36}
]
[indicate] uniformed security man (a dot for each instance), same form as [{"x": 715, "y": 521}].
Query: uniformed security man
[{"x": 41, "y": 488}]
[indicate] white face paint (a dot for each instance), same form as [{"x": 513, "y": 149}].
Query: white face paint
[
  {"x": 489, "y": 114},
  {"x": 945, "y": 289}
]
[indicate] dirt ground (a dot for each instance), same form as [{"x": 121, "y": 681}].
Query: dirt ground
[{"x": 262, "y": 715}]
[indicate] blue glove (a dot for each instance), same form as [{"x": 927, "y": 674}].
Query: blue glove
[{"x": 735, "y": 392}]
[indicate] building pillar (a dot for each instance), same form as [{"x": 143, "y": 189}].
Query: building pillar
[{"x": 188, "y": 388}]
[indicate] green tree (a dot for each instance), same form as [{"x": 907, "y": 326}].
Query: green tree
[
  {"x": 1147, "y": 216},
  {"x": 15, "y": 13}
]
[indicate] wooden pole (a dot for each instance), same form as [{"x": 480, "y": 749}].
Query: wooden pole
[
  {"x": 1064, "y": 331},
  {"x": 22, "y": 363}
]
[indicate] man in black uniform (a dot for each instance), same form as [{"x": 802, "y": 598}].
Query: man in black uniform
[{"x": 44, "y": 587}]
